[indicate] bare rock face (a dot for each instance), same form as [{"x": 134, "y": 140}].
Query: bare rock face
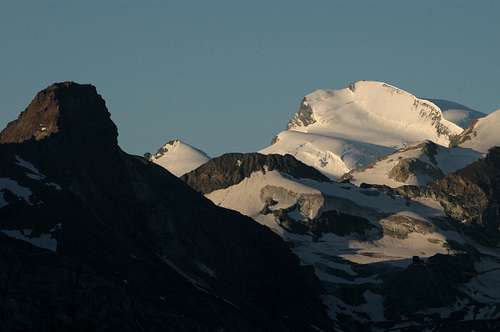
[
  {"x": 433, "y": 283},
  {"x": 472, "y": 195},
  {"x": 400, "y": 226},
  {"x": 466, "y": 135},
  {"x": 92, "y": 238},
  {"x": 72, "y": 113},
  {"x": 231, "y": 168},
  {"x": 304, "y": 116},
  {"x": 413, "y": 167}
]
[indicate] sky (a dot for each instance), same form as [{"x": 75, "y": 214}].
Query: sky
[{"x": 225, "y": 76}]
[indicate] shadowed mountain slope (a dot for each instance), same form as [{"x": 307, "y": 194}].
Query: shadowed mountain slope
[{"x": 93, "y": 238}]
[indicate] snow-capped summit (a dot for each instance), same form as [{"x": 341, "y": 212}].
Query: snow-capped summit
[
  {"x": 482, "y": 134},
  {"x": 179, "y": 157},
  {"x": 338, "y": 130}
]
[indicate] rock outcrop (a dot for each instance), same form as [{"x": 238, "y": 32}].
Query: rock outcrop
[{"x": 472, "y": 195}]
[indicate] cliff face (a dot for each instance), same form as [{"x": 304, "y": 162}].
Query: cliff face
[
  {"x": 75, "y": 112},
  {"x": 95, "y": 239},
  {"x": 472, "y": 195},
  {"x": 231, "y": 168}
]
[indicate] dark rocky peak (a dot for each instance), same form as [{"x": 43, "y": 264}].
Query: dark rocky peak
[
  {"x": 73, "y": 114},
  {"x": 231, "y": 168}
]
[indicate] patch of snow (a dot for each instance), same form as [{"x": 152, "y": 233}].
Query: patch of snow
[
  {"x": 35, "y": 176},
  {"x": 54, "y": 185},
  {"x": 44, "y": 241},
  {"x": 206, "y": 269},
  {"x": 15, "y": 188},
  {"x": 29, "y": 166},
  {"x": 34, "y": 173}
]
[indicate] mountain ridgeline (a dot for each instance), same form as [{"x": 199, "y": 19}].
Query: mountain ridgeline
[
  {"x": 231, "y": 168},
  {"x": 95, "y": 239},
  {"x": 374, "y": 210}
]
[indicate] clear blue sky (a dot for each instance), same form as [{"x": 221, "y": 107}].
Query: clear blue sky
[{"x": 226, "y": 75}]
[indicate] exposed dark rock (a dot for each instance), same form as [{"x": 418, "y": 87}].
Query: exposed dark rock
[
  {"x": 137, "y": 249},
  {"x": 431, "y": 284},
  {"x": 75, "y": 112},
  {"x": 231, "y": 168},
  {"x": 400, "y": 226},
  {"x": 466, "y": 135},
  {"x": 430, "y": 149},
  {"x": 472, "y": 195},
  {"x": 287, "y": 222},
  {"x": 413, "y": 167},
  {"x": 341, "y": 224},
  {"x": 304, "y": 116}
]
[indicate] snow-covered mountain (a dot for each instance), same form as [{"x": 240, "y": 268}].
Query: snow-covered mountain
[
  {"x": 483, "y": 133},
  {"x": 363, "y": 242},
  {"x": 414, "y": 165},
  {"x": 384, "y": 194},
  {"x": 459, "y": 114},
  {"x": 338, "y": 130},
  {"x": 179, "y": 157},
  {"x": 408, "y": 238}
]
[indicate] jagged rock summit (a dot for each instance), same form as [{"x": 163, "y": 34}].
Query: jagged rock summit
[{"x": 73, "y": 114}]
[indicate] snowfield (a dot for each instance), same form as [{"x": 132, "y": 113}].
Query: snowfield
[
  {"x": 406, "y": 228},
  {"x": 44, "y": 241},
  {"x": 250, "y": 195},
  {"x": 15, "y": 188}
]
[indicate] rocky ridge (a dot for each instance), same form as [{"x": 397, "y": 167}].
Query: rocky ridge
[{"x": 93, "y": 238}]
